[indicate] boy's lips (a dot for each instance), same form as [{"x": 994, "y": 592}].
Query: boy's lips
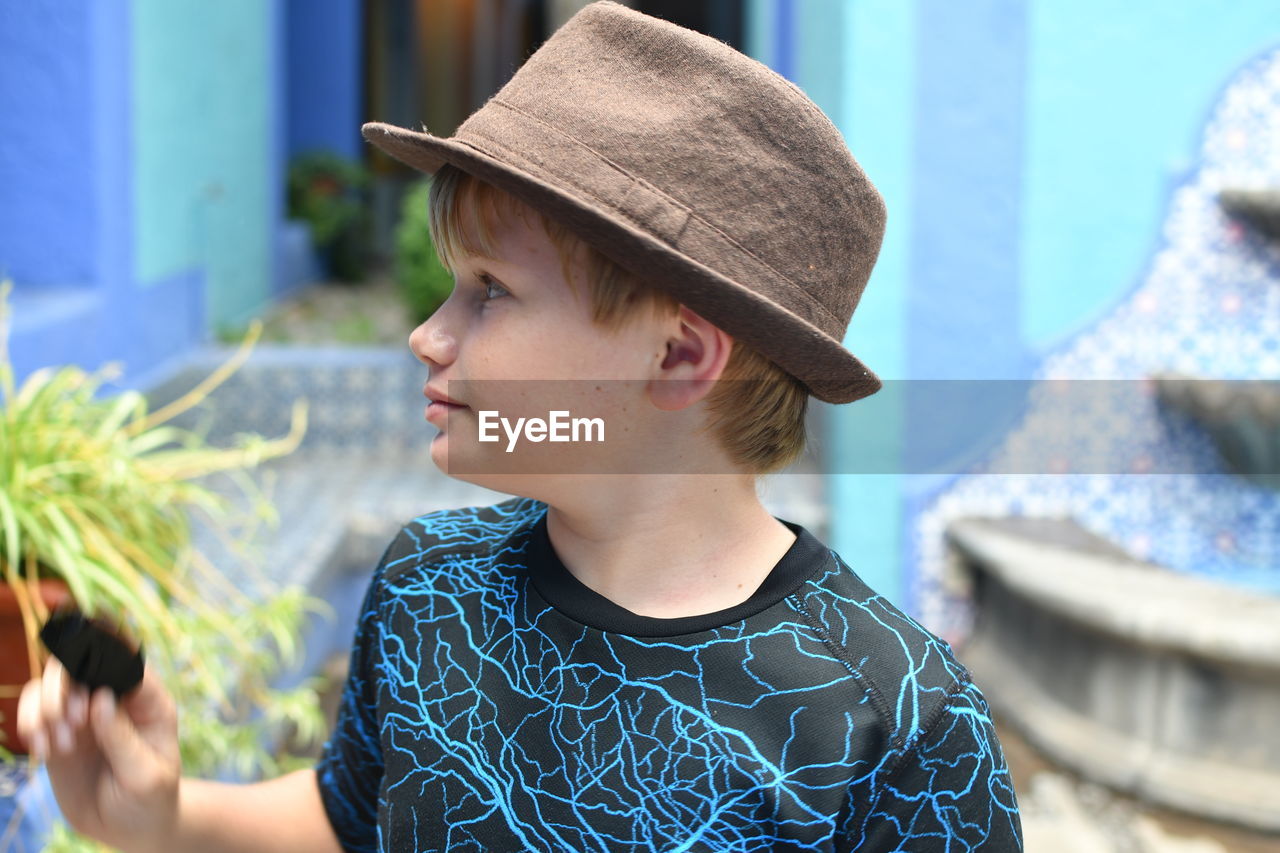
[
  {"x": 441, "y": 404},
  {"x": 440, "y": 397}
]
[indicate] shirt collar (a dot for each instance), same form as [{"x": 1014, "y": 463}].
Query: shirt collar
[{"x": 806, "y": 557}]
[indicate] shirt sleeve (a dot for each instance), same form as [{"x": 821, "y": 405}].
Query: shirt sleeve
[
  {"x": 950, "y": 791},
  {"x": 350, "y": 768}
]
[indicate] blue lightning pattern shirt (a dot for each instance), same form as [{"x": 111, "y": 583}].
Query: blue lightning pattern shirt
[{"x": 494, "y": 703}]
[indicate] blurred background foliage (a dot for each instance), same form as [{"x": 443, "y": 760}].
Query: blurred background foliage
[
  {"x": 330, "y": 193},
  {"x": 424, "y": 281}
]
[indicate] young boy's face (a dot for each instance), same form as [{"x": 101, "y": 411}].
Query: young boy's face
[{"x": 513, "y": 319}]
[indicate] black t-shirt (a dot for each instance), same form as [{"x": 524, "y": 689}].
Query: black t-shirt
[{"x": 496, "y": 703}]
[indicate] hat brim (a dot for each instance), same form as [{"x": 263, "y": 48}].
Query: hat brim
[{"x": 828, "y": 370}]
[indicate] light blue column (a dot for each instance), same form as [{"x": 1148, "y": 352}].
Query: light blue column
[
  {"x": 758, "y": 27},
  {"x": 204, "y": 93},
  {"x": 970, "y": 120},
  {"x": 876, "y": 73},
  {"x": 770, "y": 33},
  {"x": 822, "y": 54}
]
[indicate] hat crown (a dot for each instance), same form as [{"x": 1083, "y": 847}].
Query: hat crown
[
  {"x": 709, "y": 134},
  {"x": 695, "y": 167}
]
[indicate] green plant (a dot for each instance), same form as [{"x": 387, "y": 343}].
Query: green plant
[
  {"x": 329, "y": 192},
  {"x": 424, "y": 281},
  {"x": 101, "y": 494}
]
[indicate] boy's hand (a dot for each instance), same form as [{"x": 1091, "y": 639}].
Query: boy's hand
[{"x": 114, "y": 768}]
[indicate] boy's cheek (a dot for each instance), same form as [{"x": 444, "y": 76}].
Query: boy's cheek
[
  {"x": 544, "y": 442},
  {"x": 543, "y": 427},
  {"x": 514, "y": 399}
]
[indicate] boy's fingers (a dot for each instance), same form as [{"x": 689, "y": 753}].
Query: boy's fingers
[
  {"x": 78, "y": 705},
  {"x": 53, "y": 689},
  {"x": 154, "y": 714},
  {"x": 30, "y": 724},
  {"x": 131, "y": 761},
  {"x": 138, "y": 732},
  {"x": 149, "y": 702}
]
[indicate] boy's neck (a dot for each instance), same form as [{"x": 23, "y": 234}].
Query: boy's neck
[{"x": 669, "y": 547}]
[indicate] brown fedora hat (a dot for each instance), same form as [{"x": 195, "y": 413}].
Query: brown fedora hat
[{"x": 693, "y": 166}]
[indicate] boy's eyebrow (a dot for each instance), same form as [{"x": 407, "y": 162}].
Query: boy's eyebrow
[
  {"x": 480, "y": 257},
  {"x": 507, "y": 271}
]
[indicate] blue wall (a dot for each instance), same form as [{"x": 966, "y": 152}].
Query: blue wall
[
  {"x": 1026, "y": 152},
  {"x": 66, "y": 220},
  {"x": 962, "y": 315},
  {"x": 143, "y": 149},
  {"x": 325, "y": 70},
  {"x": 46, "y": 154}
]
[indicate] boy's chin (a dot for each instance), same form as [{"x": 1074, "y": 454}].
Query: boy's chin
[
  {"x": 462, "y": 470},
  {"x": 531, "y": 475},
  {"x": 541, "y": 487},
  {"x": 473, "y": 464}
]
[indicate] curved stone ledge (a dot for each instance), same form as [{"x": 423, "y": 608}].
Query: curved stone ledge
[
  {"x": 1159, "y": 684},
  {"x": 1242, "y": 416}
]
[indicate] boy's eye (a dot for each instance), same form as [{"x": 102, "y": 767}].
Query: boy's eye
[{"x": 492, "y": 290}]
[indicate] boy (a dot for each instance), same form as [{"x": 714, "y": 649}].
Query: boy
[{"x": 610, "y": 662}]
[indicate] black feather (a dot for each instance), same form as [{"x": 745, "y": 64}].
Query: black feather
[{"x": 92, "y": 652}]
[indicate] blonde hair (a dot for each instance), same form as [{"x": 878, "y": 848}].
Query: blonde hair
[{"x": 757, "y": 415}]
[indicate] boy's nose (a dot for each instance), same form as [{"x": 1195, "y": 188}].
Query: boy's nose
[{"x": 433, "y": 345}]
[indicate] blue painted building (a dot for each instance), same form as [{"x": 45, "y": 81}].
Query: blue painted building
[
  {"x": 142, "y": 167},
  {"x": 1027, "y": 150}
]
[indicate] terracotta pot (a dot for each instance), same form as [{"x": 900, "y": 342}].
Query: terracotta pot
[{"x": 14, "y": 670}]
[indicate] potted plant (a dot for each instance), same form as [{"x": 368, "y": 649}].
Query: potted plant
[
  {"x": 329, "y": 192},
  {"x": 424, "y": 281},
  {"x": 97, "y": 498}
]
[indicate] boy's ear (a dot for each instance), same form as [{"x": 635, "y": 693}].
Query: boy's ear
[{"x": 697, "y": 353}]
